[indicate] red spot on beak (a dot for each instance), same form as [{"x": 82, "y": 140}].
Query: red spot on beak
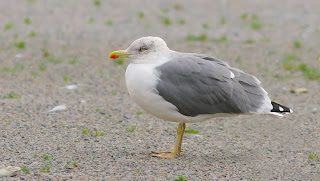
[{"x": 114, "y": 56}]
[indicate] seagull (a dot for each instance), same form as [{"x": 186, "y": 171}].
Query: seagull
[{"x": 190, "y": 87}]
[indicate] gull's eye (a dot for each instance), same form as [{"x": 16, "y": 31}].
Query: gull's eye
[{"x": 142, "y": 49}]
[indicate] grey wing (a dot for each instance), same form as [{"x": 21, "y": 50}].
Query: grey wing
[{"x": 198, "y": 86}]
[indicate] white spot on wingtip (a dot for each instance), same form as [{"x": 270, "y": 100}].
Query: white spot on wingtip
[
  {"x": 232, "y": 75},
  {"x": 280, "y": 108},
  {"x": 291, "y": 111}
]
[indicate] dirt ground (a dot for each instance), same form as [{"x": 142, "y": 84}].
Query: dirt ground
[{"x": 102, "y": 134}]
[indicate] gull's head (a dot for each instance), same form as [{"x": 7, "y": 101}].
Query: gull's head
[{"x": 143, "y": 50}]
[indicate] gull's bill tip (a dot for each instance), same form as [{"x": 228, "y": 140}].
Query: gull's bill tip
[{"x": 118, "y": 54}]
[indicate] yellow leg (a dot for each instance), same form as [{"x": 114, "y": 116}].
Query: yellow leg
[{"x": 177, "y": 146}]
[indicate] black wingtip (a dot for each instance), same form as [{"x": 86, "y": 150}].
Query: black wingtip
[{"x": 280, "y": 108}]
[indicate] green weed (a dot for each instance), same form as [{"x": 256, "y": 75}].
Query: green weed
[
  {"x": 131, "y": 129},
  {"x": 249, "y": 41},
  {"x": 8, "y": 26},
  {"x": 256, "y": 25},
  {"x": 140, "y": 15},
  {"x": 108, "y": 23},
  {"x": 290, "y": 62},
  {"x": 312, "y": 156},
  {"x": 90, "y": 20},
  {"x": 223, "y": 20},
  {"x": 32, "y": 34},
  {"x": 178, "y": 6},
  {"x": 180, "y": 178},
  {"x": 25, "y": 170},
  {"x": 166, "y": 21},
  {"x": 20, "y": 45},
  {"x": 192, "y": 131},
  {"x": 54, "y": 60},
  {"x": 222, "y": 39},
  {"x": 297, "y": 44},
  {"x": 139, "y": 113},
  {"x": 182, "y": 21},
  {"x": 85, "y": 131},
  {"x": 45, "y": 53},
  {"x": 165, "y": 10},
  {"x": 12, "y": 95},
  {"x": 27, "y": 21},
  {"x": 66, "y": 78},
  {"x": 46, "y": 156},
  {"x": 205, "y": 26},
  {"x": 46, "y": 168},
  {"x": 201, "y": 37},
  {"x": 99, "y": 133},
  {"x": 15, "y": 69},
  {"x": 42, "y": 67},
  {"x": 244, "y": 16},
  {"x": 97, "y": 2},
  {"x": 73, "y": 61}
]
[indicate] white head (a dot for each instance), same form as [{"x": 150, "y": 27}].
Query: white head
[{"x": 143, "y": 50}]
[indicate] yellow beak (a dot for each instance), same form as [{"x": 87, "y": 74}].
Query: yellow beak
[{"x": 119, "y": 54}]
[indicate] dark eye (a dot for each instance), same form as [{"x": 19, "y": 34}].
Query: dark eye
[{"x": 142, "y": 49}]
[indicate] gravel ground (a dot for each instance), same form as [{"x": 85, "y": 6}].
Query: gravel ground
[{"x": 102, "y": 135}]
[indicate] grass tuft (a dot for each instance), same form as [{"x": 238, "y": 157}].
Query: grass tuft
[
  {"x": 54, "y": 60},
  {"x": 46, "y": 156},
  {"x": 108, "y": 23},
  {"x": 97, "y": 133},
  {"x": 166, "y": 21},
  {"x": 90, "y": 20},
  {"x": 73, "y": 61},
  {"x": 180, "y": 178},
  {"x": 191, "y": 131},
  {"x": 131, "y": 129},
  {"x": 32, "y": 34},
  {"x": 140, "y": 15},
  {"x": 85, "y": 131},
  {"x": 20, "y": 45},
  {"x": 244, "y": 16},
  {"x": 46, "y": 168},
  {"x": 178, "y": 7},
  {"x": 165, "y": 10},
  {"x": 297, "y": 44},
  {"x": 25, "y": 170},
  {"x": 182, "y": 21},
  {"x": 15, "y": 69},
  {"x": 256, "y": 25},
  {"x": 249, "y": 41},
  {"x": 97, "y": 2},
  {"x": 222, "y": 39},
  {"x": 290, "y": 63},
  {"x": 139, "y": 113},
  {"x": 223, "y": 20},
  {"x": 12, "y": 95},
  {"x": 27, "y": 21},
  {"x": 42, "y": 67},
  {"x": 201, "y": 37},
  {"x": 8, "y": 26},
  {"x": 312, "y": 156},
  {"x": 66, "y": 78},
  {"x": 205, "y": 26}
]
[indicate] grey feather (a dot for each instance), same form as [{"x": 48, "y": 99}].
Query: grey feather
[{"x": 198, "y": 84}]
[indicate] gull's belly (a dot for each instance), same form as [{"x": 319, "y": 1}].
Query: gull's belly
[{"x": 141, "y": 81}]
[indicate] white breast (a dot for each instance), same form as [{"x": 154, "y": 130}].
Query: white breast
[{"x": 141, "y": 80}]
